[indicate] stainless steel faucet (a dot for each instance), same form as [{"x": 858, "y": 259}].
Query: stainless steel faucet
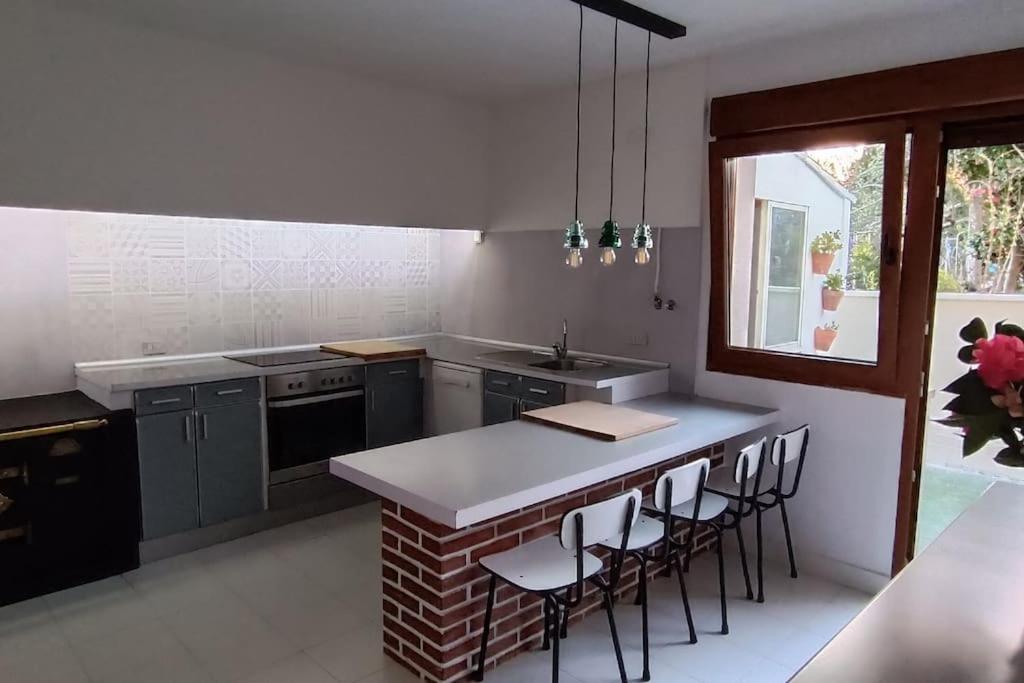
[{"x": 561, "y": 352}]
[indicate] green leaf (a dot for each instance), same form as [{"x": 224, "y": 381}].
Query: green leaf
[
  {"x": 965, "y": 382},
  {"x": 1010, "y": 329},
  {"x": 980, "y": 430},
  {"x": 974, "y": 330},
  {"x": 1010, "y": 457},
  {"x": 966, "y": 355}
]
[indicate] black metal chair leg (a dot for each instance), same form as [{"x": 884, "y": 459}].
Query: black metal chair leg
[
  {"x": 487, "y": 629},
  {"x": 565, "y": 614},
  {"x": 686, "y": 600},
  {"x": 789, "y": 539},
  {"x": 555, "y": 639},
  {"x": 615, "y": 635},
  {"x": 760, "y": 555},
  {"x": 743, "y": 559},
  {"x": 642, "y": 593},
  {"x": 642, "y": 578},
  {"x": 547, "y": 625},
  {"x": 721, "y": 581}
]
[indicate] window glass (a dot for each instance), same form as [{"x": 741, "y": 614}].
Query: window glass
[{"x": 805, "y": 240}]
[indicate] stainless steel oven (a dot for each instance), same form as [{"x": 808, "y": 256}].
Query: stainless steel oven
[{"x": 313, "y": 416}]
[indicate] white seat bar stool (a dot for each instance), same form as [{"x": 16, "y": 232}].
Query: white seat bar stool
[
  {"x": 742, "y": 486},
  {"x": 554, "y": 565},
  {"x": 787, "y": 448},
  {"x": 675, "y": 488}
]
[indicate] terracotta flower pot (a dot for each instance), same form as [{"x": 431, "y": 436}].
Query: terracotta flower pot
[
  {"x": 824, "y": 338},
  {"x": 830, "y": 298},
  {"x": 821, "y": 263}
]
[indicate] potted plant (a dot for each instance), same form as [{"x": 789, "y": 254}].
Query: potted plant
[
  {"x": 987, "y": 403},
  {"x": 823, "y": 251},
  {"x": 832, "y": 291},
  {"x": 825, "y": 336}
]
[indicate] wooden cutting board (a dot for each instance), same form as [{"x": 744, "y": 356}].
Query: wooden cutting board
[
  {"x": 599, "y": 420},
  {"x": 374, "y": 350}
]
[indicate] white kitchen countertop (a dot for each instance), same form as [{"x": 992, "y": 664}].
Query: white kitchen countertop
[
  {"x": 469, "y": 477},
  {"x": 147, "y": 374}
]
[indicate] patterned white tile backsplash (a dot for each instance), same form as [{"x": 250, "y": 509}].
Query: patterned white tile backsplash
[{"x": 205, "y": 285}]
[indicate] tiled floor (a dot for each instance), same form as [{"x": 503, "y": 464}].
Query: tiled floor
[{"x": 300, "y": 604}]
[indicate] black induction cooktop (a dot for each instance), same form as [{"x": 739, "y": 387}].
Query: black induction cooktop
[{"x": 267, "y": 360}]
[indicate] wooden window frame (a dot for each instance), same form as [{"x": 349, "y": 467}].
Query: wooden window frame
[
  {"x": 933, "y": 99},
  {"x": 878, "y": 376}
]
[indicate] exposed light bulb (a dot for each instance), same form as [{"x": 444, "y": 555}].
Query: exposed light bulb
[
  {"x": 608, "y": 256},
  {"x": 575, "y": 258},
  {"x": 643, "y": 256}
]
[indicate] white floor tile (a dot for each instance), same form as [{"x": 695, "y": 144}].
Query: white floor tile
[
  {"x": 302, "y": 603},
  {"x": 299, "y": 668}
]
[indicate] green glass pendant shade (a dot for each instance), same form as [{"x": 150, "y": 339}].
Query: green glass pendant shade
[
  {"x": 610, "y": 235},
  {"x": 575, "y": 242},
  {"x": 643, "y": 242}
]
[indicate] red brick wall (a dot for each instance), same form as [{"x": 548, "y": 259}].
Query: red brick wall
[{"x": 435, "y": 592}]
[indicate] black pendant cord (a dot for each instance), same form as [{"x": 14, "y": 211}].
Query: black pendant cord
[
  {"x": 615, "y": 71},
  {"x": 647, "y": 110},
  {"x": 579, "y": 93}
]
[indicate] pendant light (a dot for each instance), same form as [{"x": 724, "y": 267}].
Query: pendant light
[
  {"x": 575, "y": 238},
  {"x": 643, "y": 241},
  {"x": 610, "y": 240}
]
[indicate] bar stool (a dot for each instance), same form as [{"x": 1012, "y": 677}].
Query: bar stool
[
  {"x": 786, "y": 448},
  {"x": 742, "y": 486},
  {"x": 555, "y": 564},
  {"x": 679, "y": 494}
]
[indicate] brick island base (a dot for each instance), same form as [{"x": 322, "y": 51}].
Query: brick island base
[{"x": 435, "y": 591}]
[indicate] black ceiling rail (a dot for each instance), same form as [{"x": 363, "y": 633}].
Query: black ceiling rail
[{"x": 637, "y": 16}]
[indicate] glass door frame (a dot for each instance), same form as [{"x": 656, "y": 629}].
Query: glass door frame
[{"x": 765, "y": 283}]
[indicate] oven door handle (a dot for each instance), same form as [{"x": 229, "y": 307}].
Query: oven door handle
[{"x": 310, "y": 400}]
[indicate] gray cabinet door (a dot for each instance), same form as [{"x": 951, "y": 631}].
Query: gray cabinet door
[
  {"x": 394, "y": 412},
  {"x": 167, "y": 473},
  {"x": 499, "y": 408},
  {"x": 230, "y": 462}
]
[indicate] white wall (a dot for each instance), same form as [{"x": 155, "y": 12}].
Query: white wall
[
  {"x": 101, "y": 116},
  {"x": 844, "y": 520},
  {"x": 533, "y": 155}
]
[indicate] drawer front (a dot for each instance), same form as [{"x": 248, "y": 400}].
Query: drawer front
[
  {"x": 227, "y": 392},
  {"x": 163, "y": 400},
  {"x": 393, "y": 371},
  {"x": 501, "y": 383},
  {"x": 542, "y": 391}
]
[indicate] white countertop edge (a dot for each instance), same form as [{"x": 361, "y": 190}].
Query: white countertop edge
[{"x": 460, "y": 519}]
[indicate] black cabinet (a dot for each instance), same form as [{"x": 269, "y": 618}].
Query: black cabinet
[
  {"x": 228, "y": 442},
  {"x": 69, "y": 508},
  {"x": 394, "y": 403},
  {"x": 167, "y": 473},
  {"x": 202, "y": 465},
  {"x": 506, "y": 396}
]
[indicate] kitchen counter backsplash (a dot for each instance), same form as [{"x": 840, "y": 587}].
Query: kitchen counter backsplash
[{"x": 141, "y": 284}]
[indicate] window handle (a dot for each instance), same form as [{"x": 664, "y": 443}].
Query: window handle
[{"x": 888, "y": 252}]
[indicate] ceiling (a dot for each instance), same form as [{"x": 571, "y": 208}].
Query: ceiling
[{"x": 486, "y": 49}]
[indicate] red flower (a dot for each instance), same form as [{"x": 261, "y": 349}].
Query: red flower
[{"x": 1000, "y": 360}]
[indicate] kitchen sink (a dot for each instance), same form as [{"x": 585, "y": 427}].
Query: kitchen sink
[
  {"x": 567, "y": 364},
  {"x": 542, "y": 361}
]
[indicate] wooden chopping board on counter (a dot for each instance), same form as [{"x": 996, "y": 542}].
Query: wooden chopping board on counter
[
  {"x": 599, "y": 420},
  {"x": 374, "y": 350}
]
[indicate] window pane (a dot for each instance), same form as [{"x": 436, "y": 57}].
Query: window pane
[{"x": 806, "y": 234}]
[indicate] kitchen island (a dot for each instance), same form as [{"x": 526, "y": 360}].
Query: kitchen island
[{"x": 452, "y": 499}]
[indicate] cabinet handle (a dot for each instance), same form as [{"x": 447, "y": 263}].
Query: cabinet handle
[
  {"x": 397, "y": 372},
  {"x": 228, "y": 392},
  {"x": 10, "y": 473},
  {"x": 11, "y": 534},
  {"x": 82, "y": 425},
  {"x": 534, "y": 390},
  {"x": 188, "y": 429},
  {"x": 373, "y": 399},
  {"x": 165, "y": 401},
  {"x": 64, "y": 481},
  {"x": 499, "y": 383},
  {"x": 204, "y": 427},
  {"x": 464, "y": 385}
]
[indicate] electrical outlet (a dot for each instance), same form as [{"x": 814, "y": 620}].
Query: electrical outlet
[
  {"x": 153, "y": 349},
  {"x": 638, "y": 339}
]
